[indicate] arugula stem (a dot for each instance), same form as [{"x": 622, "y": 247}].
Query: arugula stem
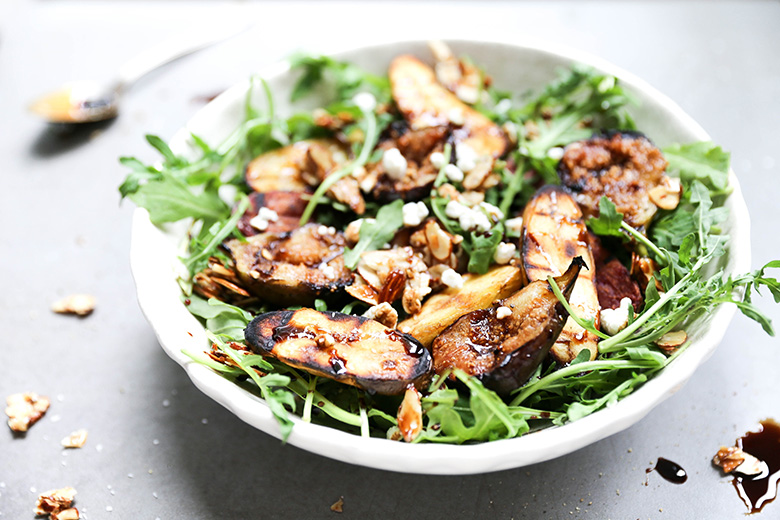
[
  {"x": 513, "y": 189},
  {"x": 307, "y": 403},
  {"x": 600, "y": 364},
  {"x": 573, "y": 315},
  {"x": 661, "y": 257},
  {"x": 614, "y": 343},
  {"x": 217, "y": 239},
  {"x": 441, "y": 177},
  {"x": 368, "y": 145},
  {"x": 363, "y": 420}
]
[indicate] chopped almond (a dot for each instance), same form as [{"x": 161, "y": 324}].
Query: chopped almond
[
  {"x": 410, "y": 415},
  {"x": 732, "y": 458},
  {"x": 338, "y": 506},
  {"x": 78, "y": 304},
  {"x": 672, "y": 340},
  {"x": 56, "y": 502},
  {"x": 66, "y": 514},
  {"x": 75, "y": 439},
  {"x": 25, "y": 409}
]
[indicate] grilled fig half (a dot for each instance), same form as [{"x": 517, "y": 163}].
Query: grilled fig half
[
  {"x": 292, "y": 268},
  {"x": 503, "y": 344},
  {"x": 288, "y": 206},
  {"x": 626, "y": 168},
  {"x": 349, "y": 349}
]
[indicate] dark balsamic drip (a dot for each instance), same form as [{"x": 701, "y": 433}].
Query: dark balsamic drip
[
  {"x": 671, "y": 471},
  {"x": 759, "y": 490},
  {"x": 338, "y": 364},
  {"x": 284, "y": 332}
]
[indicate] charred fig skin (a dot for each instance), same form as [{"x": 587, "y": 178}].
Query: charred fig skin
[
  {"x": 503, "y": 353},
  {"x": 350, "y": 349}
]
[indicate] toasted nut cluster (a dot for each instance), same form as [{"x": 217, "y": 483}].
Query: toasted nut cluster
[
  {"x": 435, "y": 245},
  {"x": 220, "y": 282},
  {"x": 56, "y": 503},
  {"x": 25, "y": 409},
  {"x": 75, "y": 439},
  {"x": 732, "y": 458},
  {"x": 384, "y": 313},
  {"x": 78, "y": 304}
]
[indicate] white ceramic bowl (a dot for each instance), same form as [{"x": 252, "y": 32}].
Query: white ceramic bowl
[{"x": 516, "y": 66}]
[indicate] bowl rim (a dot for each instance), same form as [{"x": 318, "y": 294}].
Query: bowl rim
[{"x": 432, "y": 458}]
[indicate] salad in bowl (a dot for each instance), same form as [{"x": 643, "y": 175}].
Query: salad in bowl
[{"x": 407, "y": 253}]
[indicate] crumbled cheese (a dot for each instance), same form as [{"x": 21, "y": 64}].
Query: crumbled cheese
[
  {"x": 555, "y": 153},
  {"x": 467, "y": 94},
  {"x": 325, "y": 230},
  {"x": 264, "y": 217},
  {"x": 474, "y": 220},
  {"x": 492, "y": 210},
  {"x": 504, "y": 252},
  {"x": 514, "y": 224},
  {"x": 503, "y": 312},
  {"x": 329, "y": 271},
  {"x": 453, "y": 173},
  {"x": 365, "y": 101},
  {"x": 455, "y": 115},
  {"x": 467, "y": 157},
  {"x": 451, "y": 278},
  {"x": 503, "y": 106},
  {"x": 438, "y": 160},
  {"x": 394, "y": 163},
  {"x": 615, "y": 320},
  {"x": 455, "y": 209},
  {"x": 414, "y": 213},
  {"x": 75, "y": 439}
]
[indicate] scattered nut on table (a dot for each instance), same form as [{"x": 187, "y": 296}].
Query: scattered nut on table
[
  {"x": 25, "y": 409},
  {"x": 78, "y": 304},
  {"x": 338, "y": 506},
  {"x": 75, "y": 439},
  {"x": 56, "y": 503},
  {"x": 732, "y": 458}
]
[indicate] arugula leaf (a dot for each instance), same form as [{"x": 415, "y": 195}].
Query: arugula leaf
[
  {"x": 348, "y": 79},
  {"x": 221, "y": 318},
  {"x": 702, "y": 161},
  {"x": 169, "y": 200},
  {"x": 374, "y": 235},
  {"x": 609, "y": 220},
  {"x": 481, "y": 247}
]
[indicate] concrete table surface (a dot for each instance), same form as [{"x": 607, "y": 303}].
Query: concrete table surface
[{"x": 157, "y": 447}]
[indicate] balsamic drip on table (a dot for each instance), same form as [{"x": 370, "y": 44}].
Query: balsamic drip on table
[
  {"x": 759, "y": 490},
  {"x": 670, "y": 471}
]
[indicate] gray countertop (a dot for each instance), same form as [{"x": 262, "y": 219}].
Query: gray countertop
[{"x": 157, "y": 447}]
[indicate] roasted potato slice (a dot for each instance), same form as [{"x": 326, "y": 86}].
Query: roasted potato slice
[
  {"x": 554, "y": 233},
  {"x": 504, "y": 349},
  {"x": 292, "y": 268},
  {"x": 478, "y": 291},
  {"x": 624, "y": 166},
  {"x": 426, "y": 103},
  {"x": 350, "y": 349},
  {"x": 288, "y": 206}
]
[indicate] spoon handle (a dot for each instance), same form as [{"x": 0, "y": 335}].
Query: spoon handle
[{"x": 170, "y": 50}]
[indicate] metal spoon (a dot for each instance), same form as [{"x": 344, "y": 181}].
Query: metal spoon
[{"x": 90, "y": 102}]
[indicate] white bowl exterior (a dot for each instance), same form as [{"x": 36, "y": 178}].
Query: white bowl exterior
[{"x": 518, "y": 65}]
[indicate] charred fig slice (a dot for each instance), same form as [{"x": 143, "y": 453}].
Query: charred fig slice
[
  {"x": 504, "y": 350},
  {"x": 292, "y": 268},
  {"x": 626, "y": 168},
  {"x": 288, "y": 206},
  {"x": 350, "y": 349}
]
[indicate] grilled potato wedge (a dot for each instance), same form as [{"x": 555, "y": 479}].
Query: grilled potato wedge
[
  {"x": 292, "y": 268},
  {"x": 504, "y": 352},
  {"x": 478, "y": 291},
  {"x": 350, "y": 349},
  {"x": 554, "y": 233},
  {"x": 626, "y": 168},
  {"x": 426, "y": 103}
]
